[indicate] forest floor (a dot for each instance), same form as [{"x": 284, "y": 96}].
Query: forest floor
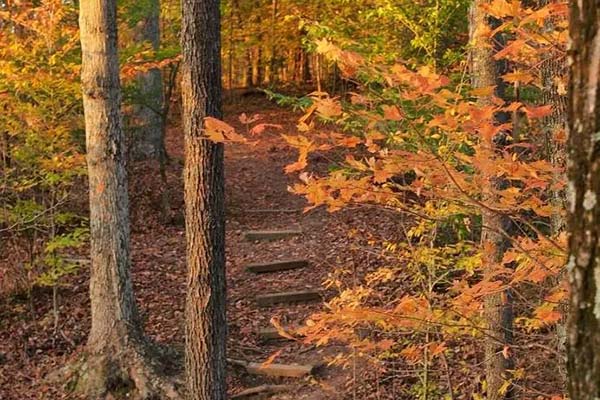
[{"x": 257, "y": 198}]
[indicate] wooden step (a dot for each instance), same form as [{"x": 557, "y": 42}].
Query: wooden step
[
  {"x": 271, "y": 234},
  {"x": 271, "y": 333},
  {"x": 262, "y": 390},
  {"x": 282, "y": 370},
  {"x": 265, "y": 300},
  {"x": 275, "y": 266}
]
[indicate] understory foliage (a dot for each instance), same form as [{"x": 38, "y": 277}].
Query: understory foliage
[
  {"x": 42, "y": 136},
  {"x": 416, "y": 142},
  {"x": 407, "y": 137},
  {"x": 42, "y": 142}
]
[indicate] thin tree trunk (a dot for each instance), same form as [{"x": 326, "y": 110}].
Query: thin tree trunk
[
  {"x": 498, "y": 313},
  {"x": 552, "y": 68},
  {"x": 117, "y": 352},
  {"x": 230, "y": 51},
  {"x": 583, "y": 209},
  {"x": 271, "y": 68},
  {"x": 114, "y": 314},
  {"x": 147, "y": 113},
  {"x": 248, "y": 69},
  {"x": 204, "y": 199},
  {"x": 257, "y": 75},
  {"x": 317, "y": 72},
  {"x": 306, "y": 76}
]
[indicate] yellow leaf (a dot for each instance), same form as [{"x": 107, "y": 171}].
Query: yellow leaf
[{"x": 328, "y": 108}]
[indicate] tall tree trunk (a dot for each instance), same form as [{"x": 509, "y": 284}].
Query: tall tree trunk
[
  {"x": 583, "y": 209},
  {"x": 271, "y": 67},
  {"x": 248, "y": 69},
  {"x": 498, "y": 313},
  {"x": 257, "y": 75},
  {"x": 117, "y": 352},
  {"x": 147, "y": 113},
  {"x": 206, "y": 326},
  {"x": 553, "y": 67},
  {"x": 230, "y": 50},
  {"x": 306, "y": 76}
]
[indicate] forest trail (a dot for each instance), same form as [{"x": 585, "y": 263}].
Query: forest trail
[{"x": 257, "y": 199}]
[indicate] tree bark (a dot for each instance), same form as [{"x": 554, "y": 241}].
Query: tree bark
[
  {"x": 147, "y": 113},
  {"x": 257, "y": 68},
  {"x": 114, "y": 314},
  {"x": 204, "y": 199},
  {"x": 554, "y": 66},
  {"x": 117, "y": 352},
  {"x": 498, "y": 313},
  {"x": 271, "y": 67},
  {"x": 583, "y": 209}
]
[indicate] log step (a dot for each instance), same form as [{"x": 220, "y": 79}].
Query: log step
[
  {"x": 276, "y": 266},
  {"x": 271, "y": 333},
  {"x": 281, "y": 370},
  {"x": 262, "y": 390},
  {"x": 265, "y": 300},
  {"x": 271, "y": 235}
]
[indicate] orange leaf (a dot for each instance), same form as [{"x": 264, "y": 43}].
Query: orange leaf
[
  {"x": 483, "y": 92},
  {"x": 518, "y": 77},
  {"x": 215, "y": 129},
  {"x": 280, "y": 330},
  {"x": 260, "y": 128},
  {"x": 538, "y": 112},
  {"x": 271, "y": 359},
  {"x": 392, "y": 113}
]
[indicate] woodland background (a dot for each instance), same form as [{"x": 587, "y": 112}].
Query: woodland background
[{"x": 420, "y": 146}]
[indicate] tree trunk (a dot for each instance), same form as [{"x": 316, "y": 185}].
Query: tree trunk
[
  {"x": 485, "y": 72},
  {"x": 117, "y": 353},
  {"x": 148, "y": 107},
  {"x": 271, "y": 67},
  {"x": 553, "y": 67},
  {"x": 306, "y": 76},
  {"x": 248, "y": 69},
  {"x": 583, "y": 209},
  {"x": 257, "y": 75},
  {"x": 206, "y": 326},
  {"x": 114, "y": 314},
  {"x": 230, "y": 50}
]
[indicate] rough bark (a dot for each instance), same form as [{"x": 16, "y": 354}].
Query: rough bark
[
  {"x": 118, "y": 355},
  {"x": 498, "y": 313},
  {"x": 553, "y": 67},
  {"x": 583, "y": 208},
  {"x": 147, "y": 111},
  {"x": 204, "y": 199}
]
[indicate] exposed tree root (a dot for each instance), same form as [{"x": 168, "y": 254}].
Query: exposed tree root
[{"x": 140, "y": 372}]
